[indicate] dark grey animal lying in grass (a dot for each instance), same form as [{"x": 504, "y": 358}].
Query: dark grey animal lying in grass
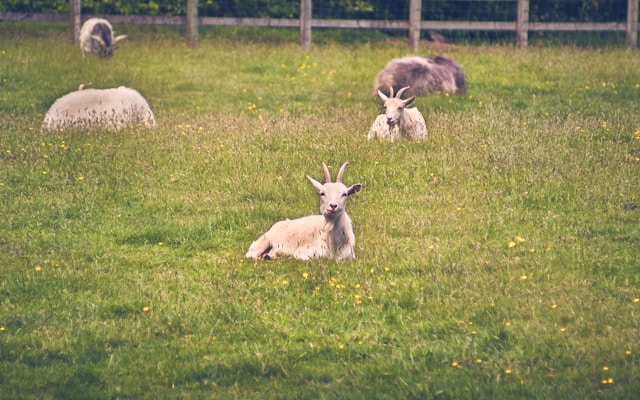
[{"x": 425, "y": 76}]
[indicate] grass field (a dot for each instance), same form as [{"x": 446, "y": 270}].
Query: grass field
[{"x": 499, "y": 259}]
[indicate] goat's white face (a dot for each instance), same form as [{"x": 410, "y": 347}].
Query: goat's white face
[
  {"x": 333, "y": 197},
  {"x": 393, "y": 107}
]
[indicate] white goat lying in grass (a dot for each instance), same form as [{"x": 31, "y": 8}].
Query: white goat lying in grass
[
  {"x": 110, "y": 109},
  {"x": 398, "y": 121},
  {"x": 329, "y": 235}
]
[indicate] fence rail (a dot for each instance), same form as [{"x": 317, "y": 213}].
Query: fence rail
[{"x": 305, "y": 23}]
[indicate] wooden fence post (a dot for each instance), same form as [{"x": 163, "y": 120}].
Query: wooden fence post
[
  {"x": 305, "y": 23},
  {"x": 522, "y": 24},
  {"x": 75, "y": 20},
  {"x": 415, "y": 16},
  {"x": 192, "y": 23},
  {"x": 632, "y": 24}
]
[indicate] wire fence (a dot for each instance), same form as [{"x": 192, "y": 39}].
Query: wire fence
[{"x": 459, "y": 19}]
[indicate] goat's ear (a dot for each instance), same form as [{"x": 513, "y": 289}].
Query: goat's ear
[
  {"x": 382, "y": 96},
  {"x": 354, "y": 189},
  {"x": 316, "y": 185},
  {"x": 409, "y": 101}
]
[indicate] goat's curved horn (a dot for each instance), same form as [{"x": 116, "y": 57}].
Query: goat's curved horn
[
  {"x": 118, "y": 39},
  {"x": 99, "y": 40},
  {"x": 402, "y": 91},
  {"x": 327, "y": 175},
  {"x": 341, "y": 172},
  {"x": 390, "y": 92}
]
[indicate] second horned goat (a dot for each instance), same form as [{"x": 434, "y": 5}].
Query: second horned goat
[{"x": 398, "y": 121}]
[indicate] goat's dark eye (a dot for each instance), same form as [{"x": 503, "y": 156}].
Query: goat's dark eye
[
  {"x": 322, "y": 194},
  {"x": 344, "y": 195}
]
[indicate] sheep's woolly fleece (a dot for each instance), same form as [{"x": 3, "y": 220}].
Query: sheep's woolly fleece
[
  {"x": 424, "y": 76},
  {"x": 110, "y": 109}
]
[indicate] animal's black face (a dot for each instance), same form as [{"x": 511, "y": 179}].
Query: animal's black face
[{"x": 105, "y": 34}]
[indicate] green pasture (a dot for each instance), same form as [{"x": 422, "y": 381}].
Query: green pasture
[{"x": 499, "y": 259}]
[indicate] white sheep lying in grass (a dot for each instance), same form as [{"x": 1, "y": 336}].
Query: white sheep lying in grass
[
  {"x": 110, "y": 109},
  {"x": 329, "y": 235},
  {"x": 398, "y": 121},
  {"x": 97, "y": 36},
  {"x": 424, "y": 75}
]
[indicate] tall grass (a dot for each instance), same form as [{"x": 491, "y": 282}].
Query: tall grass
[{"x": 498, "y": 259}]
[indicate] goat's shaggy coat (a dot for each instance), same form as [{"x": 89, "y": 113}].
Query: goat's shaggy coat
[
  {"x": 329, "y": 235},
  {"x": 398, "y": 121},
  {"x": 424, "y": 75},
  {"x": 110, "y": 109},
  {"x": 97, "y": 36}
]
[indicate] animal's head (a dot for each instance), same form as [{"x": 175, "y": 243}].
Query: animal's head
[
  {"x": 394, "y": 106},
  {"x": 105, "y": 50},
  {"x": 103, "y": 35},
  {"x": 333, "y": 195}
]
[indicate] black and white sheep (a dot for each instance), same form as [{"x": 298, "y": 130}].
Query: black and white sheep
[
  {"x": 109, "y": 109},
  {"x": 436, "y": 74},
  {"x": 328, "y": 235},
  {"x": 97, "y": 36}
]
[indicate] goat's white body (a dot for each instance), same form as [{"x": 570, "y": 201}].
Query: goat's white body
[
  {"x": 412, "y": 126},
  {"x": 398, "y": 121},
  {"x": 307, "y": 238},
  {"x": 328, "y": 235},
  {"x": 110, "y": 109}
]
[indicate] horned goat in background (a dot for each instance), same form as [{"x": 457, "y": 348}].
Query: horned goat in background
[
  {"x": 109, "y": 109},
  {"x": 424, "y": 75},
  {"x": 97, "y": 36},
  {"x": 398, "y": 121},
  {"x": 328, "y": 235}
]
